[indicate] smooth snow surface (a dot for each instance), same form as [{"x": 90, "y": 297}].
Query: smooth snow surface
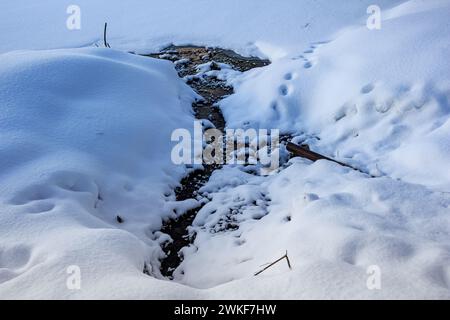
[
  {"x": 250, "y": 26},
  {"x": 85, "y": 138}
]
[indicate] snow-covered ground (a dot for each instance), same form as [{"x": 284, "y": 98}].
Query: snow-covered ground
[{"x": 85, "y": 139}]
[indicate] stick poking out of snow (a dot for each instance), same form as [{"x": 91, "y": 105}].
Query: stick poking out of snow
[{"x": 275, "y": 262}]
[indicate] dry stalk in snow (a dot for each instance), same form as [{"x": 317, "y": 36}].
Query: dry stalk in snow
[
  {"x": 275, "y": 262},
  {"x": 104, "y": 36}
]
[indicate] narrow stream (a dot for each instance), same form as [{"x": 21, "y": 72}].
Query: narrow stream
[{"x": 187, "y": 59}]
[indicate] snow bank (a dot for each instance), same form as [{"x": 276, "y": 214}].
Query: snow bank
[
  {"x": 84, "y": 139},
  {"x": 334, "y": 222},
  {"x": 376, "y": 98}
]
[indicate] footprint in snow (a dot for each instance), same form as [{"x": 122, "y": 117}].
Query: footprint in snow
[
  {"x": 288, "y": 76},
  {"x": 368, "y": 88},
  {"x": 13, "y": 261},
  {"x": 284, "y": 90},
  {"x": 307, "y": 65}
]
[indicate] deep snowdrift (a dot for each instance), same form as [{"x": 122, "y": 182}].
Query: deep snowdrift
[{"x": 85, "y": 137}]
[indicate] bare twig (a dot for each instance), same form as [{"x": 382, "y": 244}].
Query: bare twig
[
  {"x": 275, "y": 262},
  {"x": 288, "y": 262},
  {"x": 104, "y": 36}
]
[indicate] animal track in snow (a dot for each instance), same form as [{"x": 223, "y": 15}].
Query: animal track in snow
[
  {"x": 350, "y": 250},
  {"x": 75, "y": 182},
  {"x": 307, "y": 65},
  {"x": 284, "y": 90},
  {"x": 319, "y": 43},
  {"x": 38, "y": 198},
  {"x": 12, "y": 261},
  {"x": 33, "y": 193},
  {"x": 440, "y": 275},
  {"x": 368, "y": 88},
  {"x": 288, "y": 76},
  {"x": 344, "y": 111},
  {"x": 275, "y": 110},
  {"x": 274, "y": 106},
  {"x": 40, "y": 207}
]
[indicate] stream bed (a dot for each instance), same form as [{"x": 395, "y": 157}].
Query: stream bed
[{"x": 187, "y": 59}]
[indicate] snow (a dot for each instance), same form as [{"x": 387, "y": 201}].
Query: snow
[
  {"x": 386, "y": 95},
  {"x": 334, "y": 222},
  {"x": 85, "y": 138},
  {"x": 252, "y": 26},
  {"x": 84, "y": 135}
]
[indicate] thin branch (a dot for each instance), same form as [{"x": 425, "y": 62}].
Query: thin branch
[
  {"x": 104, "y": 36},
  {"x": 288, "y": 262},
  {"x": 275, "y": 262},
  {"x": 304, "y": 152}
]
